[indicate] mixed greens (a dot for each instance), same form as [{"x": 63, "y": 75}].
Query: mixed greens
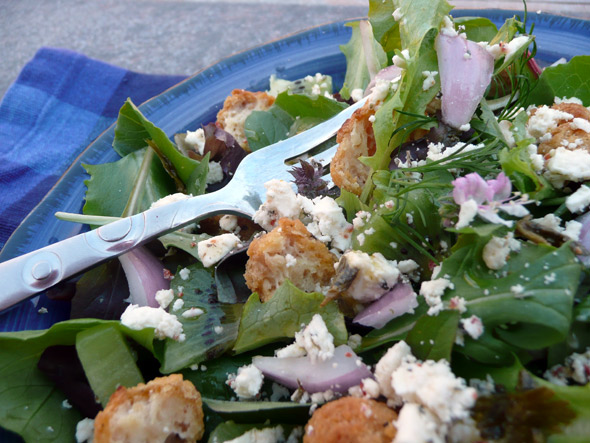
[{"x": 493, "y": 230}]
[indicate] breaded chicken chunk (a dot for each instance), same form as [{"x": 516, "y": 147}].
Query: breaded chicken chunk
[
  {"x": 567, "y": 133},
  {"x": 166, "y": 407},
  {"x": 355, "y": 139},
  {"x": 288, "y": 252},
  {"x": 353, "y": 420},
  {"x": 237, "y": 107}
]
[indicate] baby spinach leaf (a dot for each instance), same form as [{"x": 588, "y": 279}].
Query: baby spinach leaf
[
  {"x": 263, "y": 128},
  {"x": 528, "y": 303},
  {"x": 183, "y": 240},
  {"x": 357, "y": 73},
  {"x": 282, "y": 316},
  {"x": 567, "y": 80},
  {"x": 134, "y": 132},
  {"x": 432, "y": 337},
  {"x": 256, "y": 411},
  {"x": 107, "y": 360},
  {"x": 208, "y": 335},
  {"x": 29, "y": 400},
  {"x": 478, "y": 29},
  {"x": 112, "y": 184},
  {"x": 303, "y": 106}
]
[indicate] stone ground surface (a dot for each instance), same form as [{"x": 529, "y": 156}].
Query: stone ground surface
[{"x": 179, "y": 36}]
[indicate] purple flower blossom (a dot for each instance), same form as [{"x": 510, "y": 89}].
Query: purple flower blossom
[{"x": 477, "y": 196}]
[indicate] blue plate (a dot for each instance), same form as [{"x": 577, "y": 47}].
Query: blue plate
[{"x": 197, "y": 100}]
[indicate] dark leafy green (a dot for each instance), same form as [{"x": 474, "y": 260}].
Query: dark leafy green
[
  {"x": 478, "y": 29},
  {"x": 256, "y": 411},
  {"x": 282, "y": 316},
  {"x": 568, "y": 80},
  {"x": 204, "y": 338},
  {"x": 433, "y": 337},
  {"x": 137, "y": 176}
]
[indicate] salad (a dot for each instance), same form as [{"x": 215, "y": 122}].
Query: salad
[{"x": 432, "y": 287}]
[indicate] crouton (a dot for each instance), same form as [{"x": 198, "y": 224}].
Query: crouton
[
  {"x": 237, "y": 107},
  {"x": 566, "y": 134},
  {"x": 351, "y": 419},
  {"x": 166, "y": 407},
  {"x": 288, "y": 252},
  {"x": 355, "y": 139}
]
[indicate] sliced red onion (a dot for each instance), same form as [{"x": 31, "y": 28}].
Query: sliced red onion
[
  {"x": 339, "y": 373},
  {"x": 145, "y": 276},
  {"x": 388, "y": 74},
  {"x": 534, "y": 66},
  {"x": 584, "y": 238},
  {"x": 400, "y": 300},
  {"x": 465, "y": 71}
]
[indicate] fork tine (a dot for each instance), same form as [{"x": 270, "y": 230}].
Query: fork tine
[{"x": 324, "y": 158}]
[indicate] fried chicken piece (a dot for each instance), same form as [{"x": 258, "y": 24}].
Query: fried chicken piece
[
  {"x": 353, "y": 420},
  {"x": 355, "y": 139},
  {"x": 165, "y": 408},
  {"x": 565, "y": 134},
  {"x": 288, "y": 252},
  {"x": 237, "y": 107}
]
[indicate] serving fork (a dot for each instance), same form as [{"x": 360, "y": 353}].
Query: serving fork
[{"x": 36, "y": 271}]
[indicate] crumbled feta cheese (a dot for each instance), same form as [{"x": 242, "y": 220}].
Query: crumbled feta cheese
[
  {"x": 376, "y": 275},
  {"x": 178, "y": 304},
  {"x": 360, "y": 219},
  {"x": 515, "y": 45},
  {"x": 316, "y": 340},
  {"x": 197, "y": 139},
  {"x": 387, "y": 365},
  {"x": 407, "y": 266},
  {"x": 218, "y": 329},
  {"x": 570, "y": 165},
  {"x": 438, "y": 151},
  {"x": 184, "y": 273},
  {"x": 579, "y": 200},
  {"x": 247, "y": 383},
  {"x": 212, "y": 250},
  {"x": 448, "y": 28},
  {"x": 172, "y": 198},
  {"x": 497, "y": 250},
  {"x": 215, "y": 174},
  {"x": 429, "y": 80},
  {"x": 85, "y": 430},
  {"x": 434, "y": 386},
  {"x": 354, "y": 341},
  {"x": 505, "y": 126},
  {"x": 457, "y": 303},
  {"x": 576, "y": 368},
  {"x": 416, "y": 424},
  {"x": 560, "y": 100},
  {"x": 370, "y": 388},
  {"x": 357, "y": 94},
  {"x": 545, "y": 119},
  {"x": 398, "y": 15},
  {"x": 66, "y": 404},
  {"x": 573, "y": 229},
  {"x": 228, "y": 223},
  {"x": 537, "y": 160},
  {"x": 328, "y": 222},
  {"x": 279, "y": 392},
  {"x": 165, "y": 324},
  {"x": 281, "y": 201},
  {"x": 517, "y": 290},
  {"x": 473, "y": 326},
  {"x": 164, "y": 297},
  {"x": 291, "y": 261},
  {"x": 432, "y": 292},
  {"x": 293, "y": 350},
  {"x": 192, "y": 313},
  {"x": 264, "y": 435},
  {"x": 581, "y": 123}
]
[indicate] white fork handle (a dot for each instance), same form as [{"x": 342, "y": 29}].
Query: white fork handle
[{"x": 36, "y": 271}]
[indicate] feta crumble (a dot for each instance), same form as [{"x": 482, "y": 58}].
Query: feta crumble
[
  {"x": 85, "y": 430},
  {"x": 192, "y": 313},
  {"x": 473, "y": 326},
  {"x": 178, "y": 304},
  {"x": 316, "y": 340},
  {"x": 432, "y": 292},
  {"x": 196, "y": 139},
  {"x": 166, "y": 325},
  {"x": 416, "y": 424},
  {"x": 184, "y": 273},
  {"x": 579, "y": 200},
  {"x": 281, "y": 201},
  {"x": 164, "y": 297},
  {"x": 228, "y": 223},
  {"x": 172, "y": 198},
  {"x": 429, "y": 80},
  {"x": 212, "y": 250},
  {"x": 569, "y": 165},
  {"x": 496, "y": 251},
  {"x": 545, "y": 119},
  {"x": 247, "y": 382}
]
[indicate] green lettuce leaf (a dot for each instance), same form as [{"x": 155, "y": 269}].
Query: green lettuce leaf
[
  {"x": 29, "y": 400},
  {"x": 357, "y": 72},
  {"x": 540, "y": 316},
  {"x": 208, "y": 335},
  {"x": 112, "y": 185},
  {"x": 282, "y": 316},
  {"x": 433, "y": 337},
  {"x": 478, "y": 29},
  {"x": 134, "y": 132},
  {"x": 568, "y": 80},
  {"x": 385, "y": 28}
]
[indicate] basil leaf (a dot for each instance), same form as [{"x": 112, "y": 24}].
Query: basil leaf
[{"x": 282, "y": 316}]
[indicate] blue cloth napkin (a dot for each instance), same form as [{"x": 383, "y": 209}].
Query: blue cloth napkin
[{"x": 60, "y": 102}]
